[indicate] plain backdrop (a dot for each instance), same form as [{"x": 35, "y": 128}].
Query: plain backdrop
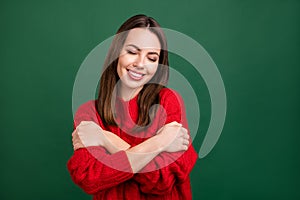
[{"x": 255, "y": 45}]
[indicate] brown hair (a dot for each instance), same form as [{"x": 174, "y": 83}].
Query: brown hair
[{"x": 149, "y": 95}]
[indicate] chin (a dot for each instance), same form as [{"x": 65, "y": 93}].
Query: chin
[{"x": 133, "y": 85}]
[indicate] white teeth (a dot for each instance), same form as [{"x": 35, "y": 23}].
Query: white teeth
[{"x": 135, "y": 74}]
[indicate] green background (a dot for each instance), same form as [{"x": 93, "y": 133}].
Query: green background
[{"x": 255, "y": 45}]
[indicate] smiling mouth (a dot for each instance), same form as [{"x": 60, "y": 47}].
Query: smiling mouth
[{"x": 135, "y": 75}]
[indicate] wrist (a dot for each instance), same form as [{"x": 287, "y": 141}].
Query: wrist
[
  {"x": 158, "y": 142},
  {"x": 101, "y": 140}
]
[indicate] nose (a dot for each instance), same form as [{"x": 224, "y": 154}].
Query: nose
[{"x": 139, "y": 62}]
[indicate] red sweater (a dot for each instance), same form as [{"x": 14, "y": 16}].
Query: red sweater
[{"x": 109, "y": 176}]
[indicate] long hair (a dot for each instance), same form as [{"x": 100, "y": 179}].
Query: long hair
[{"x": 149, "y": 95}]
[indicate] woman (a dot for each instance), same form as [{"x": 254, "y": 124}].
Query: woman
[{"x": 132, "y": 142}]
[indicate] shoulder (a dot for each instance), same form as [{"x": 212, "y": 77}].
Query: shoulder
[
  {"x": 170, "y": 96},
  {"x": 86, "y": 112},
  {"x": 87, "y": 107},
  {"x": 173, "y": 105}
]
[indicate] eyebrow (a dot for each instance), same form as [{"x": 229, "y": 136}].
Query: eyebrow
[{"x": 137, "y": 48}]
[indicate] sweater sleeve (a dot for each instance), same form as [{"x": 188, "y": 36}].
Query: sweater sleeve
[
  {"x": 167, "y": 170},
  {"x": 93, "y": 168}
]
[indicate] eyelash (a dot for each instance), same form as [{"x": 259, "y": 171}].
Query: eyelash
[
  {"x": 152, "y": 60},
  {"x": 133, "y": 53}
]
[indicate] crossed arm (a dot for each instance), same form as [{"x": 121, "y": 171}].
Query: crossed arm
[{"x": 170, "y": 138}]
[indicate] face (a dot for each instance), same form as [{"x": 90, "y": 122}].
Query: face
[{"x": 138, "y": 60}]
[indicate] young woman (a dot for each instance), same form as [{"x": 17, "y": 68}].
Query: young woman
[{"x": 133, "y": 141}]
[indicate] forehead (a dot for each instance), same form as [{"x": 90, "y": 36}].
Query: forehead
[{"x": 142, "y": 38}]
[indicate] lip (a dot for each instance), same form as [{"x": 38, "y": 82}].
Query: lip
[{"x": 135, "y": 75}]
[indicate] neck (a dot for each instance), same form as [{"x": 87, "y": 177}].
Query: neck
[{"x": 128, "y": 93}]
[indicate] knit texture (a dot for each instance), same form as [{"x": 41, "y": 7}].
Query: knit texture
[{"x": 109, "y": 176}]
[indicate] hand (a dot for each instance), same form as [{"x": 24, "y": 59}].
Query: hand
[
  {"x": 174, "y": 137},
  {"x": 77, "y": 144},
  {"x": 87, "y": 134}
]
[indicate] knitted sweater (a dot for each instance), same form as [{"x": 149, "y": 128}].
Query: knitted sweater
[{"x": 109, "y": 176}]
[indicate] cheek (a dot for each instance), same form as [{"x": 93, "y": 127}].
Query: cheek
[
  {"x": 152, "y": 69},
  {"x": 118, "y": 70},
  {"x": 121, "y": 66},
  {"x": 126, "y": 60}
]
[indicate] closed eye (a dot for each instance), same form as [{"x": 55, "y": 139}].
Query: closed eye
[
  {"x": 131, "y": 52},
  {"x": 152, "y": 59}
]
